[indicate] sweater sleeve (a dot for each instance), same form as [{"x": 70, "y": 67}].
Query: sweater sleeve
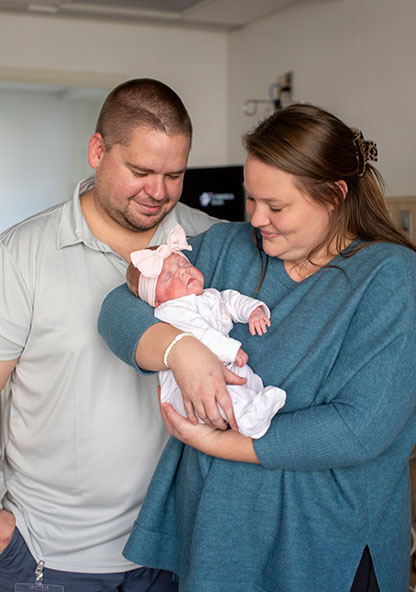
[
  {"x": 122, "y": 321},
  {"x": 369, "y": 394}
]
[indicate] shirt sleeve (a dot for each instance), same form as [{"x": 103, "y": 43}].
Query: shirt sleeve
[
  {"x": 240, "y": 306},
  {"x": 15, "y": 308},
  {"x": 370, "y": 393}
]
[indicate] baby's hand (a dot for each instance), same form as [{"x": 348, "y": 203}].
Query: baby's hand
[
  {"x": 241, "y": 358},
  {"x": 258, "y": 321}
]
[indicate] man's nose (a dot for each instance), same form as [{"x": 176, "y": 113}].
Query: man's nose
[{"x": 155, "y": 188}]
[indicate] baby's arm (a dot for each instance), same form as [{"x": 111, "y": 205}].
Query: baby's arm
[
  {"x": 258, "y": 321},
  {"x": 244, "y": 309},
  {"x": 182, "y": 314}
]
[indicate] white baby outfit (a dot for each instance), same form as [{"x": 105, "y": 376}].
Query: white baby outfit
[{"x": 210, "y": 317}]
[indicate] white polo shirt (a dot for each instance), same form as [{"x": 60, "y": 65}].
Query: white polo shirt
[{"x": 84, "y": 430}]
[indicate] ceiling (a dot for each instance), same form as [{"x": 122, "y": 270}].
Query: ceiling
[{"x": 213, "y": 14}]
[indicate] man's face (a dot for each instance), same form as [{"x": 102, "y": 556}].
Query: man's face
[{"x": 138, "y": 184}]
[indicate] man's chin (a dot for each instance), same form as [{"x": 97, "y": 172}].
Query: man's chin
[{"x": 145, "y": 221}]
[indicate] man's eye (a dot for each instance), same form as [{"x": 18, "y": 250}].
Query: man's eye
[{"x": 137, "y": 174}]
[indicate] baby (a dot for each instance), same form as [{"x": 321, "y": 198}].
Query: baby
[{"x": 166, "y": 280}]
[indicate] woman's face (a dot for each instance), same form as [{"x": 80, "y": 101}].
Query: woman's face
[{"x": 291, "y": 223}]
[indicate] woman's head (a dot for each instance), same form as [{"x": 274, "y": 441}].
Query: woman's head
[{"x": 327, "y": 162}]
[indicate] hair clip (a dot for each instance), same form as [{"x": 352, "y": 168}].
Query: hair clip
[{"x": 366, "y": 150}]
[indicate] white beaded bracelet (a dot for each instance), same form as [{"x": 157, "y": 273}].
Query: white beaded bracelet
[{"x": 172, "y": 344}]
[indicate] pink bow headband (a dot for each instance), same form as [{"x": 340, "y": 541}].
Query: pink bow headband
[{"x": 150, "y": 262}]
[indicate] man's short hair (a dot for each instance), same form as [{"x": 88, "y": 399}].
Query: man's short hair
[{"x": 142, "y": 102}]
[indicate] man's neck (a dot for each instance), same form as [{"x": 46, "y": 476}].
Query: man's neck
[{"x": 122, "y": 240}]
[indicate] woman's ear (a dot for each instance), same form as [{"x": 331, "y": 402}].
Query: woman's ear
[{"x": 342, "y": 188}]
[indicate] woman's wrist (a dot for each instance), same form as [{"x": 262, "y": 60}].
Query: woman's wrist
[
  {"x": 172, "y": 344},
  {"x": 152, "y": 346}
]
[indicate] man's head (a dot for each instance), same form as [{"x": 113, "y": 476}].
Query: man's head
[
  {"x": 144, "y": 103},
  {"x": 140, "y": 152}
]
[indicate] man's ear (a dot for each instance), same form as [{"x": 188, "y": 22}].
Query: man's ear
[{"x": 96, "y": 150}]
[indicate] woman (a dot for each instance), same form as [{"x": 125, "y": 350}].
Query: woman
[{"x": 322, "y": 501}]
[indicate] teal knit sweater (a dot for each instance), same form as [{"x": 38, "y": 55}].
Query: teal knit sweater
[{"x": 334, "y": 475}]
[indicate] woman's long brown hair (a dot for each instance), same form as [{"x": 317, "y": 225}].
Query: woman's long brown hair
[{"x": 318, "y": 149}]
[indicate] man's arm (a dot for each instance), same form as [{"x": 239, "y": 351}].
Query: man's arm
[
  {"x": 6, "y": 368},
  {"x": 7, "y": 520}
]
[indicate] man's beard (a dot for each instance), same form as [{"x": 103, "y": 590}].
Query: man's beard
[{"x": 142, "y": 222}]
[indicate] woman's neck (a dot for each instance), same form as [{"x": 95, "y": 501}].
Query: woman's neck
[{"x": 300, "y": 270}]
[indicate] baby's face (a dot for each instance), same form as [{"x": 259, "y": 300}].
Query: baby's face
[{"x": 178, "y": 278}]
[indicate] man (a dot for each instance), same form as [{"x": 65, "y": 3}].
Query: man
[{"x": 83, "y": 429}]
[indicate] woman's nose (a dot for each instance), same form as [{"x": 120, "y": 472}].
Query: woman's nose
[{"x": 259, "y": 217}]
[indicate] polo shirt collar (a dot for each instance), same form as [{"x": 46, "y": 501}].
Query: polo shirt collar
[{"x": 73, "y": 228}]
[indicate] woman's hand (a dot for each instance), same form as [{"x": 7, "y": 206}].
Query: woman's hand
[
  {"x": 202, "y": 378},
  {"x": 229, "y": 445},
  {"x": 7, "y": 526}
]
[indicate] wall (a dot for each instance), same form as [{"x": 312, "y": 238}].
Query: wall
[
  {"x": 193, "y": 62},
  {"x": 353, "y": 57},
  {"x": 43, "y": 147}
]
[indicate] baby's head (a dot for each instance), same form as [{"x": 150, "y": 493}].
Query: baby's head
[
  {"x": 178, "y": 278},
  {"x": 164, "y": 273}
]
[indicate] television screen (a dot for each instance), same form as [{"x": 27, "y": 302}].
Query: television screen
[{"x": 218, "y": 191}]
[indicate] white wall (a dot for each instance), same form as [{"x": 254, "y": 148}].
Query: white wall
[
  {"x": 193, "y": 62},
  {"x": 356, "y": 58},
  {"x": 43, "y": 148}
]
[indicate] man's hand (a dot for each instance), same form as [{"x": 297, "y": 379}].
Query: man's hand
[
  {"x": 258, "y": 321},
  {"x": 7, "y": 526}
]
